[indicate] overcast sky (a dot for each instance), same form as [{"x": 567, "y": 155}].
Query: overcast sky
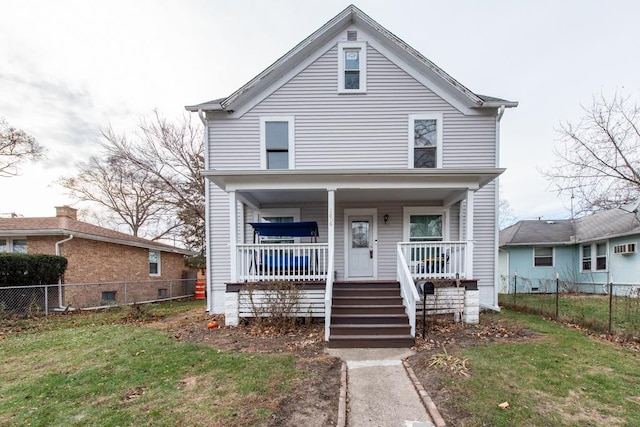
[{"x": 71, "y": 68}]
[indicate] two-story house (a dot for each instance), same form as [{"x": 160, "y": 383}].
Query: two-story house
[{"x": 370, "y": 163}]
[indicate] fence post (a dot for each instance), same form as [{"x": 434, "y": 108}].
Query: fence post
[
  {"x": 610, "y": 303},
  {"x": 46, "y": 300},
  {"x": 125, "y": 293},
  {"x": 515, "y": 287},
  {"x": 557, "y": 294}
]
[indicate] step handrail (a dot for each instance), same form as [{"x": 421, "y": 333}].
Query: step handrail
[{"x": 407, "y": 289}]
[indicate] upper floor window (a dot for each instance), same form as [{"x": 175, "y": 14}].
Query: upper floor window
[
  {"x": 276, "y": 140},
  {"x": 543, "y": 257},
  {"x": 352, "y": 67},
  {"x": 17, "y": 246},
  {"x": 425, "y": 141},
  {"x": 154, "y": 263}
]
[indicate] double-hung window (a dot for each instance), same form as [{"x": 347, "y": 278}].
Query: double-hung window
[
  {"x": 279, "y": 216},
  {"x": 425, "y": 141},
  {"x": 154, "y": 263},
  {"x": 277, "y": 142},
  {"x": 586, "y": 258},
  {"x": 543, "y": 257},
  {"x": 601, "y": 256},
  {"x": 352, "y": 67},
  {"x": 597, "y": 251}
]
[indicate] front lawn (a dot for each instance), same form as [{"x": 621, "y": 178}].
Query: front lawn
[{"x": 104, "y": 369}]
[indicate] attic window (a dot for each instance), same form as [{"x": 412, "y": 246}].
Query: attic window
[
  {"x": 352, "y": 67},
  {"x": 352, "y": 35}
]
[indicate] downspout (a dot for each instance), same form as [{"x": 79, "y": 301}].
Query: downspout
[
  {"x": 203, "y": 118},
  {"x": 496, "y": 266},
  {"x": 60, "y": 278}
]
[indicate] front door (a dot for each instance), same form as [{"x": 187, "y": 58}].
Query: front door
[{"x": 360, "y": 246}]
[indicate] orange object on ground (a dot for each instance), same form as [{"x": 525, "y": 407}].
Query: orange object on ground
[
  {"x": 200, "y": 289},
  {"x": 212, "y": 325}
]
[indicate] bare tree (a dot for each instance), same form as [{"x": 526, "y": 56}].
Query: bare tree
[
  {"x": 16, "y": 147},
  {"x": 506, "y": 216},
  {"x": 598, "y": 160},
  {"x": 172, "y": 155},
  {"x": 123, "y": 191}
]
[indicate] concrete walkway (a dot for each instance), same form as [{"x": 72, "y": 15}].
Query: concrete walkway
[{"x": 380, "y": 393}]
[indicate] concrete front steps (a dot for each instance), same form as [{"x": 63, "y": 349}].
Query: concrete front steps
[{"x": 368, "y": 315}]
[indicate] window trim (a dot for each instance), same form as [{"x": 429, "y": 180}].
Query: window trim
[
  {"x": 159, "y": 273},
  {"x": 438, "y": 117},
  {"x": 292, "y": 212},
  {"x": 583, "y": 259},
  {"x": 362, "y": 46},
  {"x": 407, "y": 211},
  {"x": 263, "y": 139},
  {"x": 9, "y": 242},
  {"x": 594, "y": 257},
  {"x": 553, "y": 257}
]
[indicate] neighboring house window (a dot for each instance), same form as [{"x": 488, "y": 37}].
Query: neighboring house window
[
  {"x": 543, "y": 257},
  {"x": 108, "y": 295},
  {"x": 154, "y": 263},
  {"x": 17, "y": 246},
  {"x": 425, "y": 141},
  {"x": 277, "y": 142},
  {"x": 162, "y": 293},
  {"x": 601, "y": 256},
  {"x": 586, "y": 258},
  {"x": 352, "y": 67}
]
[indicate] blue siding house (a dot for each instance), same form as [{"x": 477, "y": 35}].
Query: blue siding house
[{"x": 585, "y": 254}]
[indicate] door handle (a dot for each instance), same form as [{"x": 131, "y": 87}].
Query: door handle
[{"x": 371, "y": 253}]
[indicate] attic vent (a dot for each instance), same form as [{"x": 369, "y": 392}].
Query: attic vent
[
  {"x": 624, "y": 249},
  {"x": 352, "y": 35}
]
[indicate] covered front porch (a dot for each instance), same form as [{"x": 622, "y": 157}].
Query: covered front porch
[{"x": 371, "y": 227}]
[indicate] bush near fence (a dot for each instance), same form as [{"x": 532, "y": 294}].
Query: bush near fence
[
  {"x": 611, "y": 308},
  {"x": 45, "y": 299}
]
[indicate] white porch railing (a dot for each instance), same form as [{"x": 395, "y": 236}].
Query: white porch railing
[
  {"x": 268, "y": 262},
  {"x": 407, "y": 289},
  {"x": 437, "y": 260}
]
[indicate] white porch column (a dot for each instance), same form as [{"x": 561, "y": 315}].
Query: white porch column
[
  {"x": 331, "y": 222},
  {"x": 469, "y": 234},
  {"x": 233, "y": 235}
]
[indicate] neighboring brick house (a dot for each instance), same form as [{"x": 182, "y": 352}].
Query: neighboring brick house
[{"x": 96, "y": 255}]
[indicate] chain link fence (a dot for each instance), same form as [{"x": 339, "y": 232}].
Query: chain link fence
[
  {"x": 24, "y": 301},
  {"x": 606, "y": 308}
]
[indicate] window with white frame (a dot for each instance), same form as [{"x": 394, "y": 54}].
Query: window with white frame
[
  {"x": 154, "y": 263},
  {"x": 599, "y": 252},
  {"x": 543, "y": 257},
  {"x": 586, "y": 257},
  {"x": 424, "y": 225},
  {"x": 277, "y": 142},
  {"x": 601, "y": 256},
  {"x": 16, "y": 246},
  {"x": 352, "y": 67},
  {"x": 425, "y": 141},
  {"x": 279, "y": 216}
]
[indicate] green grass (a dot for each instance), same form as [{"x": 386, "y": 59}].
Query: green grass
[
  {"x": 561, "y": 378},
  {"x": 591, "y": 311},
  {"x": 95, "y": 370}
]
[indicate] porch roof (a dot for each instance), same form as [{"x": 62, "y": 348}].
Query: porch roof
[{"x": 262, "y": 187}]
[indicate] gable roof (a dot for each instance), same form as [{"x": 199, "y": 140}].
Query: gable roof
[
  {"x": 601, "y": 225},
  {"x": 351, "y": 16},
  {"x": 62, "y": 226}
]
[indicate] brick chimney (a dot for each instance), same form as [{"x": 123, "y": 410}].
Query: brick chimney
[{"x": 67, "y": 211}]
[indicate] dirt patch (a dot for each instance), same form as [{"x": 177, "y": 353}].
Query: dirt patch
[{"x": 313, "y": 398}]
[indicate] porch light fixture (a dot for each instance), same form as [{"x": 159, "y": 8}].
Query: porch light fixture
[{"x": 386, "y": 218}]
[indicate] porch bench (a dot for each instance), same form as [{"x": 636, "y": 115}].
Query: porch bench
[{"x": 286, "y": 263}]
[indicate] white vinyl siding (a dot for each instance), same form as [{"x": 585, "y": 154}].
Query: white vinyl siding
[{"x": 367, "y": 131}]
